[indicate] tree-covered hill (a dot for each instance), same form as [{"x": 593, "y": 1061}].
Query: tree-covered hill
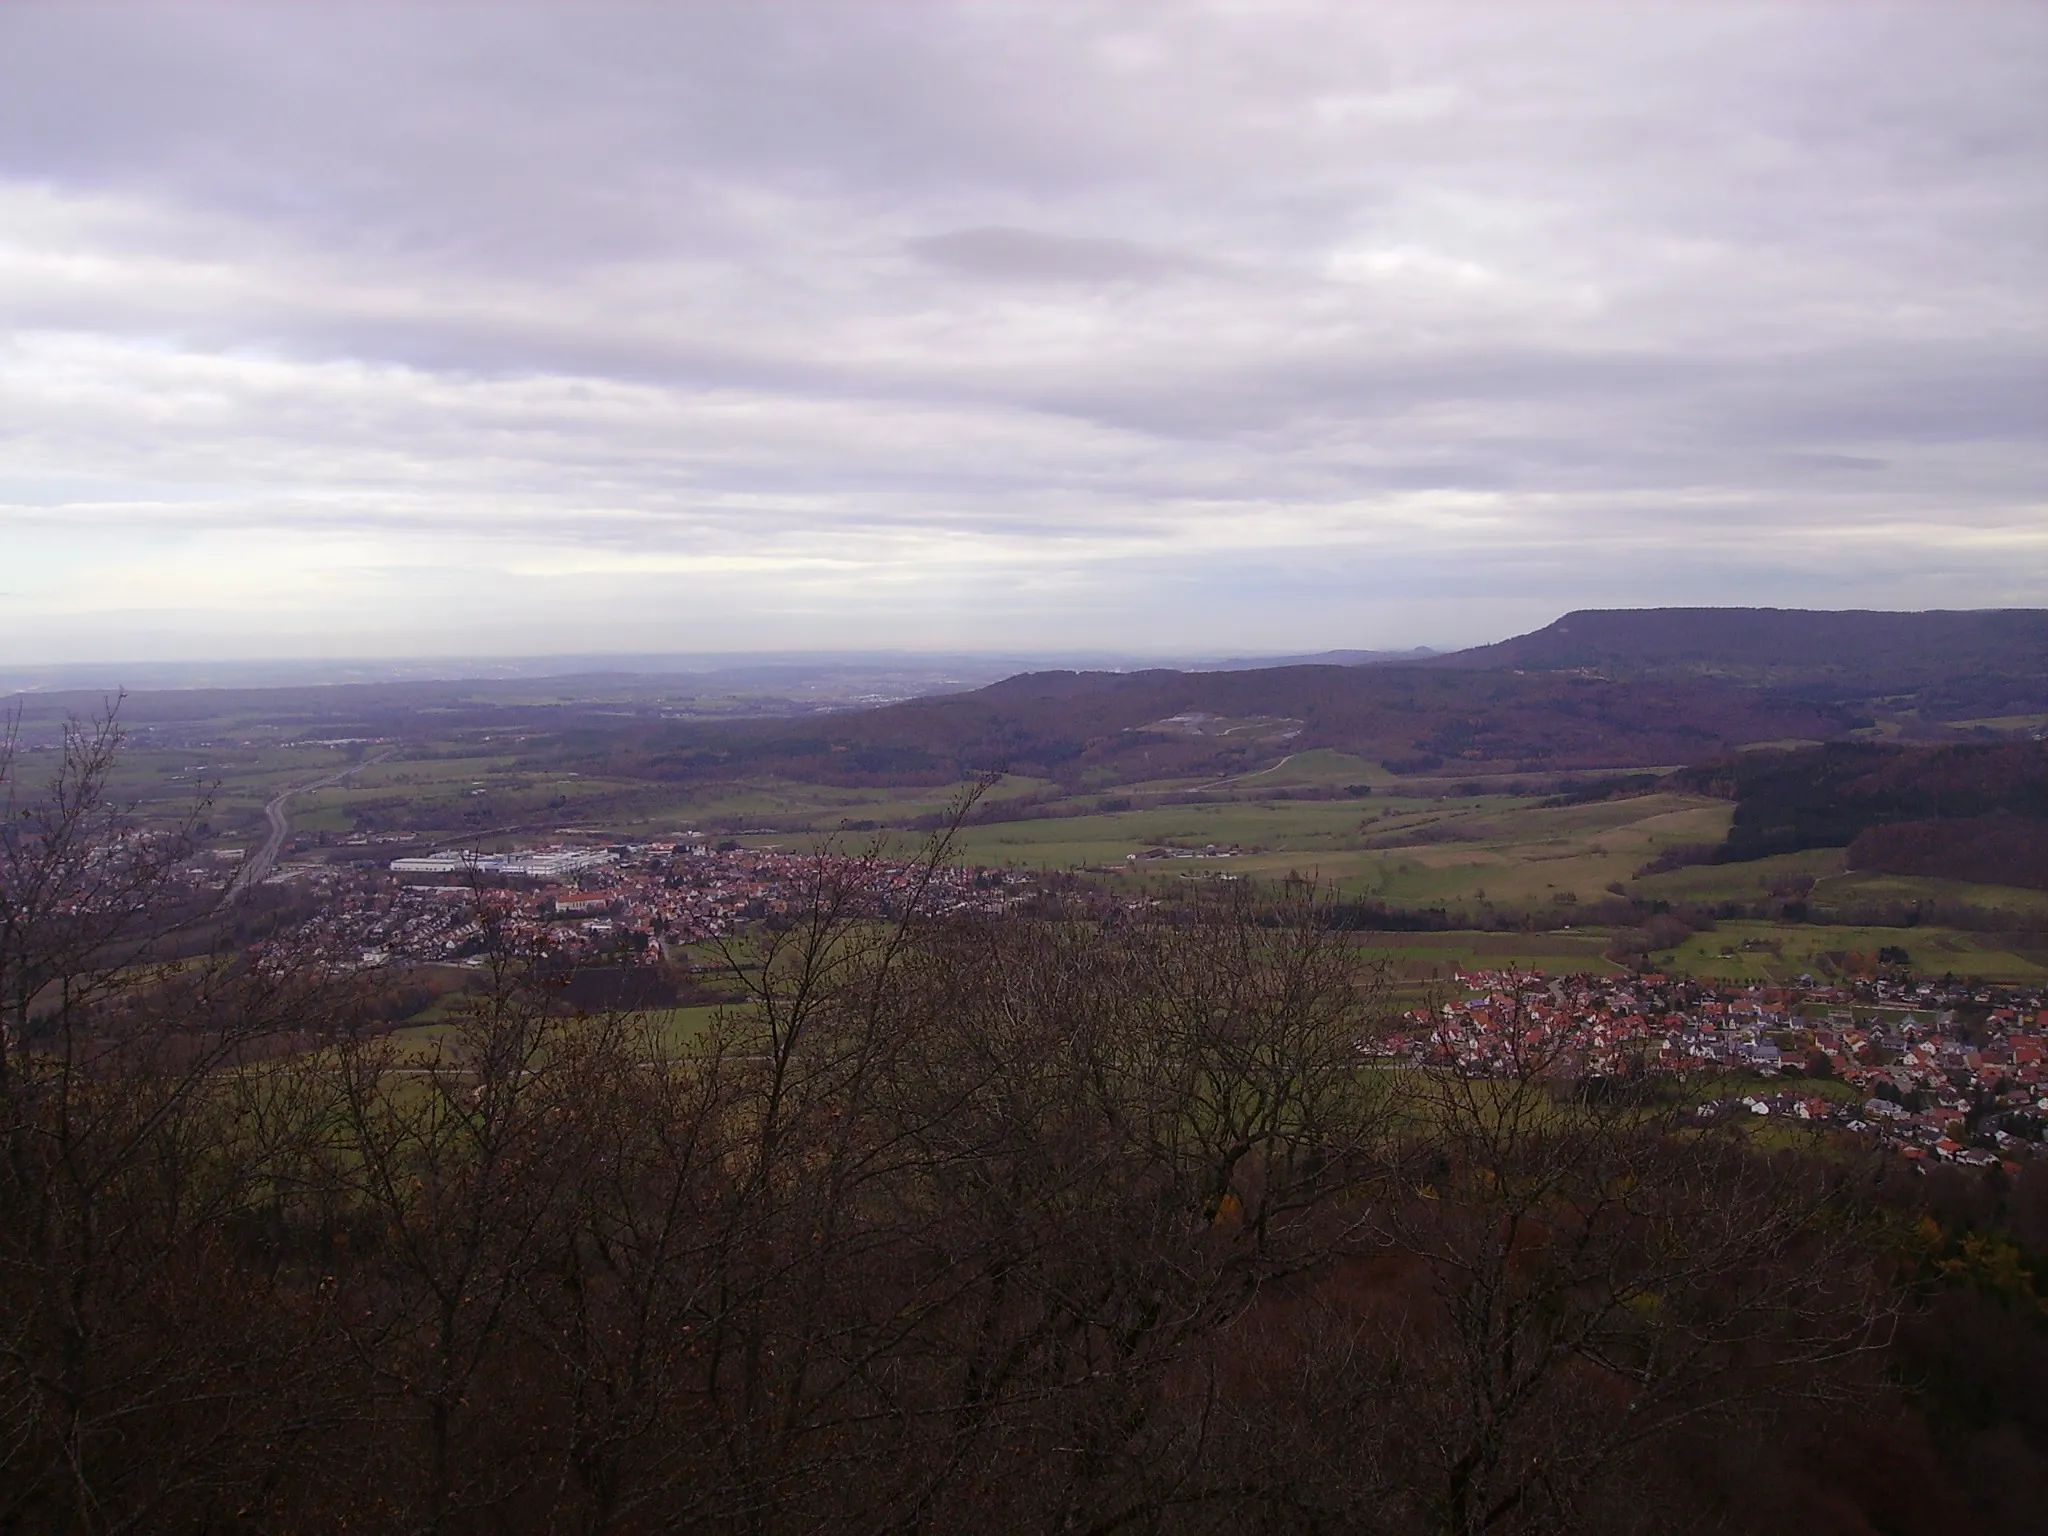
[
  {"x": 1104, "y": 728},
  {"x": 1968, "y": 811},
  {"x": 1957, "y": 662}
]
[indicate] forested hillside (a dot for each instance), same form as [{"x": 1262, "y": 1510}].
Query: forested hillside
[
  {"x": 1953, "y": 663},
  {"x": 1830, "y": 796},
  {"x": 1106, "y": 728}
]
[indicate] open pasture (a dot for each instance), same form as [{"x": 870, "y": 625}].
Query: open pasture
[
  {"x": 1388, "y": 839},
  {"x": 1761, "y": 952},
  {"x": 1750, "y": 881},
  {"x": 1422, "y": 957},
  {"x": 1851, "y": 889},
  {"x": 1471, "y": 852},
  {"x": 1836, "y": 889},
  {"x": 1525, "y": 853},
  {"x": 453, "y": 796},
  {"x": 1319, "y": 767},
  {"x": 224, "y": 785},
  {"x": 788, "y": 806},
  {"x": 1495, "y": 850},
  {"x": 1107, "y": 837}
]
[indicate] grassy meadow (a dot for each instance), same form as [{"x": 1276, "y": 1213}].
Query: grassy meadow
[
  {"x": 1758, "y": 951},
  {"x": 1492, "y": 852}
]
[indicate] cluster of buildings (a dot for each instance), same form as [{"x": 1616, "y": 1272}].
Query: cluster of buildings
[
  {"x": 625, "y": 904},
  {"x": 1207, "y": 851},
  {"x": 560, "y": 863},
  {"x": 1941, "y": 1071}
]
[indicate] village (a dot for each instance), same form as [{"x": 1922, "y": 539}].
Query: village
[
  {"x": 626, "y": 904},
  {"x": 1939, "y": 1071}
]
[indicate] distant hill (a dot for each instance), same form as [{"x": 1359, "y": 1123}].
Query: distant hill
[
  {"x": 1095, "y": 728},
  {"x": 1956, "y": 663},
  {"x": 1316, "y": 659},
  {"x": 1606, "y": 689}
]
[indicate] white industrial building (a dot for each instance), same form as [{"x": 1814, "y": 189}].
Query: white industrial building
[{"x": 548, "y": 864}]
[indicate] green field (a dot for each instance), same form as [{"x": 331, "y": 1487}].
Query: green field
[
  {"x": 1490, "y": 849},
  {"x": 502, "y": 797},
  {"x": 1341, "y": 820},
  {"x": 1414, "y": 957},
  {"x": 2003, "y": 724},
  {"x": 1837, "y": 890},
  {"x": 1853, "y": 888},
  {"x": 1738, "y": 882},
  {"x": 1756, "y": 951}
]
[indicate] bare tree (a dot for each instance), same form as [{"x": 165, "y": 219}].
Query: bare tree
[
  {"x": 138, "y": 1127},
  {"x": 1098, "y": 1220},
  {"x": 1568, "y": 1274},
  {"x": 461, "y": 1160}
]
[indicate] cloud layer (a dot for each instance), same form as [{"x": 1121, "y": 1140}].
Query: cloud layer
[{"x": 1151, "y": 327}]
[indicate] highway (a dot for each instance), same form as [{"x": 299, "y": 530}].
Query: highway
[{"x": 260, "y": 863}]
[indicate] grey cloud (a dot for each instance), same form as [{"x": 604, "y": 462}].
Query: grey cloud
[
  {"x": 1023, "y": 255},
  {"x": 1087, "y": 289}
]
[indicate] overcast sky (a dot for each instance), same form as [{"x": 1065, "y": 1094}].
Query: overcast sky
[{"x": 366, "y": 330}]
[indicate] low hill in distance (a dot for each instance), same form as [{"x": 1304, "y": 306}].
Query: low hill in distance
[
  {"x": 1951, "y": 664},
  {"x": 1098, "y": 729},
  {"x": 1604, "y": 689},
  {"x": 1317, "y": 659}
]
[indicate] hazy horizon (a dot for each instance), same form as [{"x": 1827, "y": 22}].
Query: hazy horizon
[
  {"x": 1175, "y": 330},
  {"x": 812, "y": 667},
  {"x": 908, "y": 670}
]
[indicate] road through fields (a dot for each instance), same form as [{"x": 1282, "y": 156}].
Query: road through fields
[{"x": 264, "y": 859}]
